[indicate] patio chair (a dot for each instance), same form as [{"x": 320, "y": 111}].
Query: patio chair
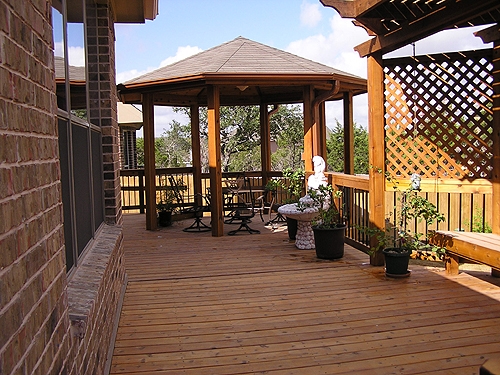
[
  {"x": 244, "y": 213},
  {"x": 197, "y": 208},
  {"x": 269, "y": 207}
]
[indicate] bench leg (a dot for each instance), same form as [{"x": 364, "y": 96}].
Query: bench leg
[{"x": 451, "y": 264}]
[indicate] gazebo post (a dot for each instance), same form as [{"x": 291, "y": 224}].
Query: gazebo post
[
  {"x": 308, "y": 128},
  {"x": 322, "y": 131},
  {"x": 376, "y": 147},
  {"x": 265, "y": 143},
  {"x": 196, "y": 153},
  {"x": 214, "y": 162},
  {"x": 149, "y": 160},
  {"x": 348, "y": 134}
]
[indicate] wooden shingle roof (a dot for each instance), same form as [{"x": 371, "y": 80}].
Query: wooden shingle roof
[
  {"x": 245, "y": 72},
  {"x": 240, "y": 55}
]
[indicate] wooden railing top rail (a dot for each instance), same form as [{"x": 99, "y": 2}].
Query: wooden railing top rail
[{"x": 360, "y": 182}]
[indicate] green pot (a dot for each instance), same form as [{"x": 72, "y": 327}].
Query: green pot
[{"x": 329, "y": 242}]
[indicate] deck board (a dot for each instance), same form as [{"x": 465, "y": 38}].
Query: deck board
[{"x": 251, "y": 304}]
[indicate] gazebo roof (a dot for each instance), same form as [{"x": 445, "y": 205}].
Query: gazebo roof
[{"x": 247, "y": 72}]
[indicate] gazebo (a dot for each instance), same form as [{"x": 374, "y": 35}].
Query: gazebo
[{"x": 240, "y": 72}]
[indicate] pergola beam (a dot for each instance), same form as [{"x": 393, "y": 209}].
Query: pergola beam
[{"x": 450, "y": 14}]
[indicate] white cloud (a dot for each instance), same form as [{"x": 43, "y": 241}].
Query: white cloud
[
  {"x": 310, "y": 14},
  {"x": 76, "y": 56},
  {"x": 182, "y": 53},
  {"x": 336, "y": 49}
]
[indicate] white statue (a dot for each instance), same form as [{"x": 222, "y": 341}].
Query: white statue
[
  {"x": 318, "y": 178},
  {"x": 415, "y": 181},
  {"x": 315, "y": 181}
]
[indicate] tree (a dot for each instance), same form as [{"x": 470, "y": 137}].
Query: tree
[
  {"x": 335, "y": 149},
  {"x": 173, "y": 148},
  {"x": 287, "y": 129},
  {"x": 240, "y": 140}
]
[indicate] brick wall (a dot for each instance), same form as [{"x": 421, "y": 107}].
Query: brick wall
[
  {"x": 49, "y": 325},
  {"x": 34, "y": 332},
  {"x": 103, "y": 98}
]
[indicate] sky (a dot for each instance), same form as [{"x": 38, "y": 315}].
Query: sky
[{"x": 303, "y": 27}]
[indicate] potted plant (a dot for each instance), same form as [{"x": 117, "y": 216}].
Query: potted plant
[
  {"x": 295, "y": 189},
  {"x": 397, "y": 241},
  {"x": 165, "y": 207},
  {"x": 329, "y": 225}
]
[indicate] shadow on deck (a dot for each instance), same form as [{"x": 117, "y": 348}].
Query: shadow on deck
[{"x": 251, "y": 304}]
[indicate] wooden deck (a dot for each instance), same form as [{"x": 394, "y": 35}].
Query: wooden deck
[{"x": 252, "y": 304}]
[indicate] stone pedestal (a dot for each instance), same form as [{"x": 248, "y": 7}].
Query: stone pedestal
[{"x": 305, "y": 236}]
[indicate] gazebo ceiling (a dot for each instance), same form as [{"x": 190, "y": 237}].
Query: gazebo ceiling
[
  {"x": 246, "y": 72},
  {"x": 399, "y": 22}
]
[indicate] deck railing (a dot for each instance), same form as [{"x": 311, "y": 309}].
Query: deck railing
[{"x": 464, "y": 209}]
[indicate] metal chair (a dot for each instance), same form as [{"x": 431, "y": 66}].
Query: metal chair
[
  {"x": 244, "y": 213},
  {"x": 198, "y": 209}
]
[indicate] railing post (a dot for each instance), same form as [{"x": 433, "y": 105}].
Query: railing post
[{"x": 141, "y": 191}]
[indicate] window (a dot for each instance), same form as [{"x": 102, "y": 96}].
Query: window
[{"x": 80, "y": 142}]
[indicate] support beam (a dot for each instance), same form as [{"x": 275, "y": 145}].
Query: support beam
[
  {"x": 496, "y": 139},
  {"x": 265, "y": 143},
  {"x": 149, "y": 160},
  {"x": 322, "y": 131},
  {"x": 308, "y": 128},
  {"x": 196, "y": 152},
  {"x": 214, "y": 162},
  {"x": 376, "y": 148},
  {"x": 348, "y": 134}
]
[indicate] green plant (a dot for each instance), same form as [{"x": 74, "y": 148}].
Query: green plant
[
  {"x": 167, "y": 198},
  {"x": 326, "y": 199},
  {"x": 272, "y": 185},
  {"x": 295, "y": 186},
  {"x": 399, "y": 236}
]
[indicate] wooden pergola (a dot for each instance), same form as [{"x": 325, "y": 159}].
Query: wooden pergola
[
  {"x": 394, "y": 24},
  {"x": 240, "y": 72}
]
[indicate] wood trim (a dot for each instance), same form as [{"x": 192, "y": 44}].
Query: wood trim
[
  {"x": 214, "y": 162},
  {"x": 149, "y": 160}
]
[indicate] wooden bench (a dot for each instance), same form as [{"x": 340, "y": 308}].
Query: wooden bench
[{"x": 474, "y": 247}]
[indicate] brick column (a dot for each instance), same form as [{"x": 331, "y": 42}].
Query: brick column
[{"x": 103, "y": 98}]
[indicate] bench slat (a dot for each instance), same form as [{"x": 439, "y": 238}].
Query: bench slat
[{"x": 477, "y": 247}]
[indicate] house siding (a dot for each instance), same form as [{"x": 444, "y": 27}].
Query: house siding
[{"x": 51, "y": 323}]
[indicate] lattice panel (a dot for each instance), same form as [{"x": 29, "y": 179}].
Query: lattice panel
[{"x": 438, "y": 115}]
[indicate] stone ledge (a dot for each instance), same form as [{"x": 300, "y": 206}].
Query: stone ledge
[{"x": 85, "y": 283}]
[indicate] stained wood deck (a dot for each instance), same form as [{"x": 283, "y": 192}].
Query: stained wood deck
[{"x": 253, "y": 304}]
